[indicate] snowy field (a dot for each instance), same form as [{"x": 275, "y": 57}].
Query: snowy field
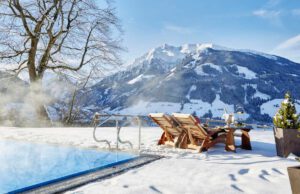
[{"x": 181, "y": 171}]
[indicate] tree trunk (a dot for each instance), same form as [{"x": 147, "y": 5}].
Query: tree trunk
[
  {"x": 39, "y": 99},
  {"x": 69, "y": 117},
  {"x": 36, "y": 90},
  {"x": 31, "y": 60}
]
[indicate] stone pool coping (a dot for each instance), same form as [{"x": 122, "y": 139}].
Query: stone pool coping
[{"x": 73, "y": 182}]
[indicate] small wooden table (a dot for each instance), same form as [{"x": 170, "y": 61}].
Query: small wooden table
[{"x": 230, "y": 142}]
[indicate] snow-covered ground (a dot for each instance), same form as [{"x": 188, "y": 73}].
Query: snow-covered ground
[
  {"x": 272, "y": 106},
  {"x": 195, "y": 105},
  {"x": 181, "y": 171}
]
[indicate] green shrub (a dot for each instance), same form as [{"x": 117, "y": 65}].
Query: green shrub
[{"x": 287, "y": 117}]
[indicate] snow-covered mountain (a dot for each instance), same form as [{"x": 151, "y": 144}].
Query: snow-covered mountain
[
  {"x": 171, "y": 55},
  {"x": 194, "y": 78},
  {"x": 197, "y": 78}
]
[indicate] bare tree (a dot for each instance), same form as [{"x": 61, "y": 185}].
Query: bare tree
[
  {"x": 71, "y": 115},
  {"x": 57, "y": 35}
]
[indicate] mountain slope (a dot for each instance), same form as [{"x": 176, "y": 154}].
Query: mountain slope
[{"x": 197, "y": 78}]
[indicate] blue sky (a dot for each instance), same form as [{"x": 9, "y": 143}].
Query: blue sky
[{"x": 271, "y": 26}]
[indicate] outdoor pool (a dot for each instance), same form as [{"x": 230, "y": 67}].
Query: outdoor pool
[{"x": 25, "y": 165}]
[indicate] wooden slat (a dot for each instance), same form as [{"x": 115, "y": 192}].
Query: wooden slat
[
  {"x": 194, "y": 126},
  {"x": 194, "y": 147},
  {"x": 165, "y": 123},
  {"x": 160, "y": 118},
  {"x": 188, "y": 122}
]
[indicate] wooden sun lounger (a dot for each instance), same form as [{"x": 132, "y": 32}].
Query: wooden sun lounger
[
  {"x": 171, "y": 129},
  {"x": 197, "y": 136}
]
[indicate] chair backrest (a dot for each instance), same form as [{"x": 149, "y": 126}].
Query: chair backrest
[
  {"x": 166, "y": 122},
  {"x": 188, "y": 122}
]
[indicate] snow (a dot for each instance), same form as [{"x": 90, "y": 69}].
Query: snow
[
  {"x": 137, "y": 79},
  {"x": 181, "y": 171},
  {"x": 271, "y": 107},
  {"x": 195, "y": 105},
  {"x": 294, "y": 75},
  {"x": 140, "y": 78},
  {"x": 286, "y": 101},
  {"x": 251, "y": 52},
  {"x": 149, "y": 76},
  {"x": 245, "y": 72},
  {"x": 199, "y": 71},
  {"x": 192, "y": 88},
  {"x": 201, "y": 107},
  {"x": 166, "y": 53},
  {"x": 216, "y": 67},
  {"x": 144, "y": 108},
  {"x": 106, "y": 91},
  {"x": 170, "y": 55},
  {"x": 170, "y": 76},
  {"x": 198, "y": 48},
  {"x": 199, "y": 68},
  {"x": 257, "y": 93},
  {"x": 261, "y": 95}
]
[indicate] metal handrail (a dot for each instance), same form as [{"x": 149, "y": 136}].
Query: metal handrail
[
  {"x": 118, "y": 136},
  {"x": 97, "y": 124},
  {"x": 115, "y": 117}
]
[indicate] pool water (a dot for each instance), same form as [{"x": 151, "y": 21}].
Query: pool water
[{"x": 24, "y": 164}]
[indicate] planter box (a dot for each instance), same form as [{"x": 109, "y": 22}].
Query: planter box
[
  {"x": 287, "y": 141},
  {"x": 294, "y": 175}
]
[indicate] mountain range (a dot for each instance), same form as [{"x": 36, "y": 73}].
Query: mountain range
[{"x": 203, "y": 79}]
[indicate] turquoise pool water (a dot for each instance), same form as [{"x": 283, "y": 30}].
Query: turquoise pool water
[{"x": 24, "y": 164}]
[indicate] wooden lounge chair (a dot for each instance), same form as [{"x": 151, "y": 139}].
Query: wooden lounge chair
[
  {"x": 171, "y": 129},
  {"x": 198, "y": 137}
]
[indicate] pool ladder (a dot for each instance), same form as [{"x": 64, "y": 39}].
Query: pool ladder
[{"x": 116, "y": 118}]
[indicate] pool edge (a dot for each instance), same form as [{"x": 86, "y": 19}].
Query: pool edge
[{"x": 80, "y": 179}]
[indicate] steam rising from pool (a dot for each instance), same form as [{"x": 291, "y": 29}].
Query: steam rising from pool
[{"x": 20, "y": 102}]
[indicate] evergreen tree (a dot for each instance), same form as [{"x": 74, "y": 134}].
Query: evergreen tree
[
  {"x": 286, "y": 116},
  {"x": 208, "y": 114}
]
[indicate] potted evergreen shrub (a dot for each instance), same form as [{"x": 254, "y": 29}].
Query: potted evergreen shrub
[{"x": 286, "y": 128}]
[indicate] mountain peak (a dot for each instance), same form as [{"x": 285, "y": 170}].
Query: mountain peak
[
  {"x": 191, "y": 48},
  {"x": 165, "y": 51},
  {"x": 170, "y": 55}
]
